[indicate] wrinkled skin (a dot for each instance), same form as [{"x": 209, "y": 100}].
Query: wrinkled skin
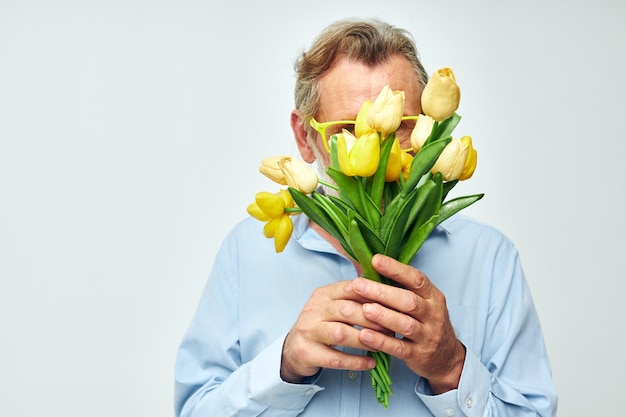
[{"x": 416, "y": 310}]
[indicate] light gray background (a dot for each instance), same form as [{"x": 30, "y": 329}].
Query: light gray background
[{"x": 131, "y": 133}]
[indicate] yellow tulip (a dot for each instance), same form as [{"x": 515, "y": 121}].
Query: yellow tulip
[
  {"x": 361, "y": 127},
  {"x": 269, "y": 230},
  {"x": 441, "y": 96},
  {"x": 407, "y": 160},
  {"x": 394, "y": 163},
  {"x": 345, "y": 142},
  {"x": 270, "y": 208},
  {"x": 423, "y": 128},
  {"x": 293, "y": 172},
  {"x": 472, "y": 159},
  {"x": 280, "y": 229},
  {"x": 452, "y": 160},
  {"x": 385, "y": 115},
  {"x": 358, "y": 157},
  {"x": 287, "y": 198},
  {"x": 298, "y": 174},
  {"x": 272, "y": 205},
  {"x": 255, "y": 211},
  {"x": 271, "y": 169}
]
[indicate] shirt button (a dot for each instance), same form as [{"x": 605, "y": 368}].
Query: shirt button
[
  {"x": 352, "y": 374},
  {"x": 309, "y": 392},
  {"x": 449, "y": 412},
  {"x": 469, "y": 402}
]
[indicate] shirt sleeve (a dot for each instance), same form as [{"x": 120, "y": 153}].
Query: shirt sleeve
[
  {"x": 509, "y": 374},
  {"x": 210, "y": 378}
]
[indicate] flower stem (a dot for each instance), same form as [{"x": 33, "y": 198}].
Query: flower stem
[
  {"x": 328, "y": 184},
  {"x": 381, "y": 382}
]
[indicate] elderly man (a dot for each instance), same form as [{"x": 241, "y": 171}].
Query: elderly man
[{"x": 287, "y": 334}]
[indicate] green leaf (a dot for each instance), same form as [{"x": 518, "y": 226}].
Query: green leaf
[
  {"x": 337, "y": 215},
  {"x": 424, "y": 194},
  {"x": 424, "y": 161},
  {"x": 334, "y": 158},
  {"x": 348, "y": 186},
  {"x": 340, "y": 203},
  {"x": 392, "y": 211},
  {"x": 370, "y": 209},
  {"x": 369, "y": 234},
  {"x": 392, "y": 189},
  {"x": 317, "y": 214},
  {"x": 371, "y": 237},
  {"x": 416, "y": 239},
  {"x": 443, "y": 129},
  {"x": 396, "y": 219},
  {"x": 447, "y": 187},
  {"x": 362, "y": 251},
  {"x": 432, "y": 202},
  {"x": 449, "y": 208},
  {"x": 378, "y": 182}
]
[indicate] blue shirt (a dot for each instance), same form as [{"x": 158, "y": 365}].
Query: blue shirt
[{"x": 228, "y": 363}]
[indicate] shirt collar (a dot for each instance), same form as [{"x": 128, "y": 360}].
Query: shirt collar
[{"x": 308, "y": 238}]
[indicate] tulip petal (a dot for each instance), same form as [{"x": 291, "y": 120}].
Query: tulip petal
[
  {"x": 385, "y": 115},
  {"x": 271, "y": 204},
  {"x": 441, "y": 96},
  {"x": 364, "y": 156},
  {"x": 269, "y": 230},
  {"x": 255, "y": 211},
  {"x": 452, "y": 160},
  {"x": 423, "y": 128},
  {"x": 282, "y": 233},
  {"x": 271, "y": 169},
  {"x": 361, "y": 126},
  {"x": 394, "y": 162},
  {"x": 407, "y": 160},
  {"x": 471, "y": 161},
  {"x": 345, "y": 142},
  {"x": 298, "y": 174},
  {"x": 287, "y": 198}
]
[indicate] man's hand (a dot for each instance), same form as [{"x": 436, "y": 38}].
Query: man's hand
[
  {"x": 418, "y": 312},
  {"x": 328, "y": 319}
]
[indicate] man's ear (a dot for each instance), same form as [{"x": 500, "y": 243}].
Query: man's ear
[{"x": 299, "y": 132}]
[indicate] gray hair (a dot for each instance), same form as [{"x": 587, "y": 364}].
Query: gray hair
[{"x": 370, "y": 42}]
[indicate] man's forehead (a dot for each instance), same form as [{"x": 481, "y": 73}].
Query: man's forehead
[{"x": 344, "y": 87}]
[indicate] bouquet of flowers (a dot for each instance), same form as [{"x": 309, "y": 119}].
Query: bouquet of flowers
[{"x": 387, "y": 199}]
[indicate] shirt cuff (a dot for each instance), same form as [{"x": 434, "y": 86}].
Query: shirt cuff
[
  {"x": 267, "y": 387},
  {"x": 469, "y": 399}
]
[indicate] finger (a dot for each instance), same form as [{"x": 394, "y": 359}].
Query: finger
[
  {"x": 400, "y": 348},
  {"x": 399, "y": 299},
  {"x": 301, "y": 358},
  {"x": 399, "y": 323},
  {"x": 405, "y": 275},
  {"x": 350, "y": 313},
  {"x": 328, "y": 357},
  {"x": 337, "y": 334},
  {"x": 337, "y": 302},
  {"x": 342, "y": 290}
]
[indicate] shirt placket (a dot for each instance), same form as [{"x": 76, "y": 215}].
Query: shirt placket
[{"x": 351, "y": 382}]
